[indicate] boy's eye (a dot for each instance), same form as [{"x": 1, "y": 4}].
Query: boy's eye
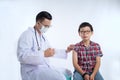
[{"x": 82, "y": 32}]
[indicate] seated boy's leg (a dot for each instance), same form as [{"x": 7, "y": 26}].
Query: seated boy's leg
[
  {"x": 98, "y": 76},
  {"x": 77, "y": 76}
]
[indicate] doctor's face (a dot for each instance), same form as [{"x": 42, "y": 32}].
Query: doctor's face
[
  {"x": 43, "y": 25},
  {"x": 46, "y": 23}
]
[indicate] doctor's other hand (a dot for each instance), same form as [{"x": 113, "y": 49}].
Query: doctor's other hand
[
  {"x": 69, "y": 48},
  {"x": 49, "y": 52}
]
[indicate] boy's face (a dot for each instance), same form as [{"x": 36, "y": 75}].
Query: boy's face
[{"x": 85, "y": 33}]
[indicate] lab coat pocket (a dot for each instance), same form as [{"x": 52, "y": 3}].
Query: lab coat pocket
[
  {"x": 28, "y": 75},
  {"x": 30, "y": 72}
]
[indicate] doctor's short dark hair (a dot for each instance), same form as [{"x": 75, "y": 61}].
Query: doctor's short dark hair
[
  {"x": 84, "y": 24},
  {"x": 42, "y": 15}
]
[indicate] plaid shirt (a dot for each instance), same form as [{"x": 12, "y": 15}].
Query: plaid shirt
[{"x": 87, "y": 55}]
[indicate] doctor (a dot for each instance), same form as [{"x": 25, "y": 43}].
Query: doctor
[{"x": 34, "y": 51}]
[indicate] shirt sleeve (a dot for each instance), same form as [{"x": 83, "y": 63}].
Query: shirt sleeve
[
  {"x": 98, "y": 51},
  {"x": 76, "y": 48},
  {"x": 60, "y": 53},
  {"x": 26, "y": 54}
]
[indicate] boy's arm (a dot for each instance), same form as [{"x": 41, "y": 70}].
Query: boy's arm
[
  {"x": 75, "y": 63},
  {"x": 96, "y": 68}
]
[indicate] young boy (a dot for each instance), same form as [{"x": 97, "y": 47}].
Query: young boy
[{"x": 86, "y": 55}]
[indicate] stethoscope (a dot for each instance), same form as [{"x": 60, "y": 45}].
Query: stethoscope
[{"x": 38, "y": 45}]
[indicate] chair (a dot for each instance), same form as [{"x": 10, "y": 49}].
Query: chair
[{"x": 68, "y": 74}]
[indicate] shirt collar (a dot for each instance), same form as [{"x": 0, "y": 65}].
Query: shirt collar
[{"x": 81, "y": 43}]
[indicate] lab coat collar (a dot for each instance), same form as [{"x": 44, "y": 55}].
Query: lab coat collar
[{"x": 32, "y": 29}]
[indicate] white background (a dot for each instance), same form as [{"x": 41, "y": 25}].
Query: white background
[{"x": 17, "y": 15}]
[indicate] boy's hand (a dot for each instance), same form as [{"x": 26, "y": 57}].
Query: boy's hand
[
  {"x": 92, "y": 77},
  {"x": 87, "y": 77}
]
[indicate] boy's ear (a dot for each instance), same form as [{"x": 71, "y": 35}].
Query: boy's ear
[
  {"x": 92, "y": 33},
  {"x": 79, "y": 33}
]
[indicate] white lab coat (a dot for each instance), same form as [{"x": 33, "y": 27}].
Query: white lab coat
[{"x": 34, "y": 66}]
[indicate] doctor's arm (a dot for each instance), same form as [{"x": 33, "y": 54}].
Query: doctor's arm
[
  {"x": 62, "y": 53},
  {"x": 25, "y": 52}
]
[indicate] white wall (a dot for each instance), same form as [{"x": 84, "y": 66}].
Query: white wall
[{"x": 17, "y": 15}]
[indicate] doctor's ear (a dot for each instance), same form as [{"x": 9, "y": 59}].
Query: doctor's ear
[{"x": 38, "y": 22}]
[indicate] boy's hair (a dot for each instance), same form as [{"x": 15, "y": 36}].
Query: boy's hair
[
  {"x": 42, "y": 15},
  {"x": 84, "y": 24}
]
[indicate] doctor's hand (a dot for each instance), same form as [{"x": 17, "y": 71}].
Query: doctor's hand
[
  {"x": 49, "y": 52},
  {"x": 69, "y": 48}
]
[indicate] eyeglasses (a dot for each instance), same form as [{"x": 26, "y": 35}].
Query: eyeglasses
[
  {"x": 48, "y": 26},
  {"x": 83, "y": 32}
]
